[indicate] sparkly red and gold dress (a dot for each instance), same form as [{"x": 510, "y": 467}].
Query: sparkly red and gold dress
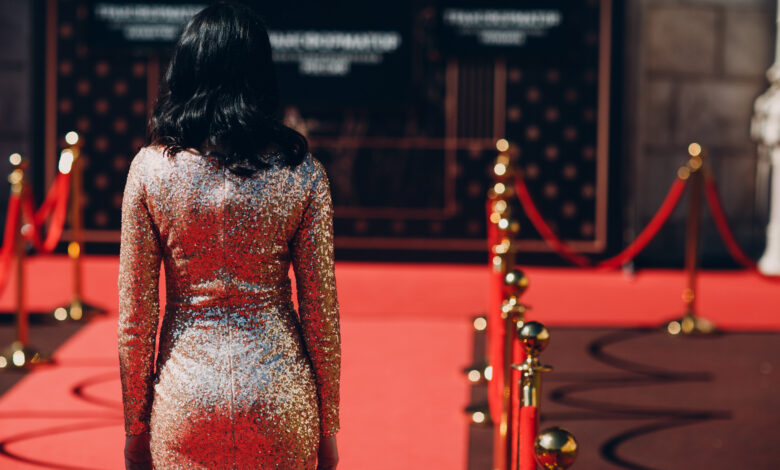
[{"x": 241, "y": 380}]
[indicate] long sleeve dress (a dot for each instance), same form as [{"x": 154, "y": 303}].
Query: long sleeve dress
[{"x": 240, "y": 379}]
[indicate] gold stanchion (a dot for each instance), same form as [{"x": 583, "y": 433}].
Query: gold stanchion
[
  {"x": 20, "y": 354},
  {"x": 513, "y": 314},
  {"x": 553, "y": 448},
  {"x": 514, "y": 446},
  {"x": 534, "y": 337},
  {"x": 691, "y": 322},
  {"x": 514, "y": 284},
  {"x": 77, "y": 309}
]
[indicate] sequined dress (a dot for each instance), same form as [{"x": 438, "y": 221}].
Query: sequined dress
[{"x": 241, "y": 380}]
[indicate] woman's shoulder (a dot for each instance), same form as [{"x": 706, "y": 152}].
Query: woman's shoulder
[
  {"x": 148, "y": 155},
  {"x": 157, "y": 158},
  {"x": 311, "y": 166},
  {"x": 148, "y": 164},
  {"x": 313, "y": 176}
]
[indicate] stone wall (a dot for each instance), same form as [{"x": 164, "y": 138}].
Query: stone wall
[
  {"x": 16, "y": 76},
  {"x": 694, "y": 70}
]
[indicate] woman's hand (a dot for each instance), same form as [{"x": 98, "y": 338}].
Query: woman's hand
[
  {"x": 137, "y": 453},
  {"x": 328, "y": 454}
]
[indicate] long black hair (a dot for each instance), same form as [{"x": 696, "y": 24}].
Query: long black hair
[{"x": 220, "y": 95}]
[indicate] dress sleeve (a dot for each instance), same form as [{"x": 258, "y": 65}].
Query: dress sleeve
[
  {"x": 139, "y": 310},
  {"x": 312, "y": 257}
]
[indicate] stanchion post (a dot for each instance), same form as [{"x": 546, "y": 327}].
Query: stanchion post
[
  {"x": 514, "y": 283},
  {"x": 74, "y": 247},
  {"x": 77, "y": 308},
  {"x": 692, "y": 248},
  {"x": 691, "y": 322},
  {"x": 513, "y": 314},
  {"x": 20, "y": 354},
  {"x": 534, "y": 338},
  {"x": 18, "y": 188},
  {"x": 553, "y": 448}
]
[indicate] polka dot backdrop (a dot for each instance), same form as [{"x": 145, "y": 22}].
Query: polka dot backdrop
[
  {"x": 404, "y": 193},
  {"x": 103, "y": 96}
]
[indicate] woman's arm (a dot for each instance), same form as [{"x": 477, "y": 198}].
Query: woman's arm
[
  {"x": 312, "y": 257},
  {"x": 139, "y": 309}
]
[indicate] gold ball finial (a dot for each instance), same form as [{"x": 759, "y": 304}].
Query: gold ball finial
[
  {"x": 501, "y": 206},
  {"x": 556, "y": 449},
  {"x": 503, "y": 247},
  {"x": 501, "y": 167},
  {"x": 694, "y": 149},
  {"x": 66, "y": 161},
  {"x": 517, "y": 281},
  {"x": 534, "y": 337},
  {"x": 72, "y": 138}
]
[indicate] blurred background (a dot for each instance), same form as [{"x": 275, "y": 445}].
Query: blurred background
[{"x": 601, "y": 98}]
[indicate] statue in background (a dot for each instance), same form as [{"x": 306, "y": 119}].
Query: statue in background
[{"x": 765, "y": 128}]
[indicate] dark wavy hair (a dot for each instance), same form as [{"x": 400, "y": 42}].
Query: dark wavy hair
[{"x": 220, "y": 95}]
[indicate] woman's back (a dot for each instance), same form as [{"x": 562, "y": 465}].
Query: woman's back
[
  {"x": 239, "y": 375},
  {"x": 226, "y": 236}
]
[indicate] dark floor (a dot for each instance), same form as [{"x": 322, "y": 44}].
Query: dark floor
[
  {"x": 46, "y": 334},
  {"x": 640, "y": 399}
]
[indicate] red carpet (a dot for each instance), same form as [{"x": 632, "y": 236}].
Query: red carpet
[
  {"x": 735, "y": 300},
  {"x": 402, "y": 388},
  {"x": 406, "y": 334}
]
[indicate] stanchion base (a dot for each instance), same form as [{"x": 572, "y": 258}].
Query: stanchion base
[
  {"x": 77, "y": 311},
  {"x": 690, "y": 324},
  {"x": 19, "y": 356}
]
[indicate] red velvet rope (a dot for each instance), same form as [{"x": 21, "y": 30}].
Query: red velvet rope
[
  {"x": 56, "y": 201},
  {"x": 652, "y": 228},
  {"x": 60, "y": 213},
  {"x": 724, "y": 229},
  {"x": 529, "y": 424},
  {"x": 544, "y": 230},
  {"x": 721, "y": 223},
  {"x": 628, "y": 253},
  {"x": 52, "y": 196},
  {"x": 9, "y": 238}
]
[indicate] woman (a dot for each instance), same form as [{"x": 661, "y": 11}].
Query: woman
[{"x": 227, "y": 197}]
